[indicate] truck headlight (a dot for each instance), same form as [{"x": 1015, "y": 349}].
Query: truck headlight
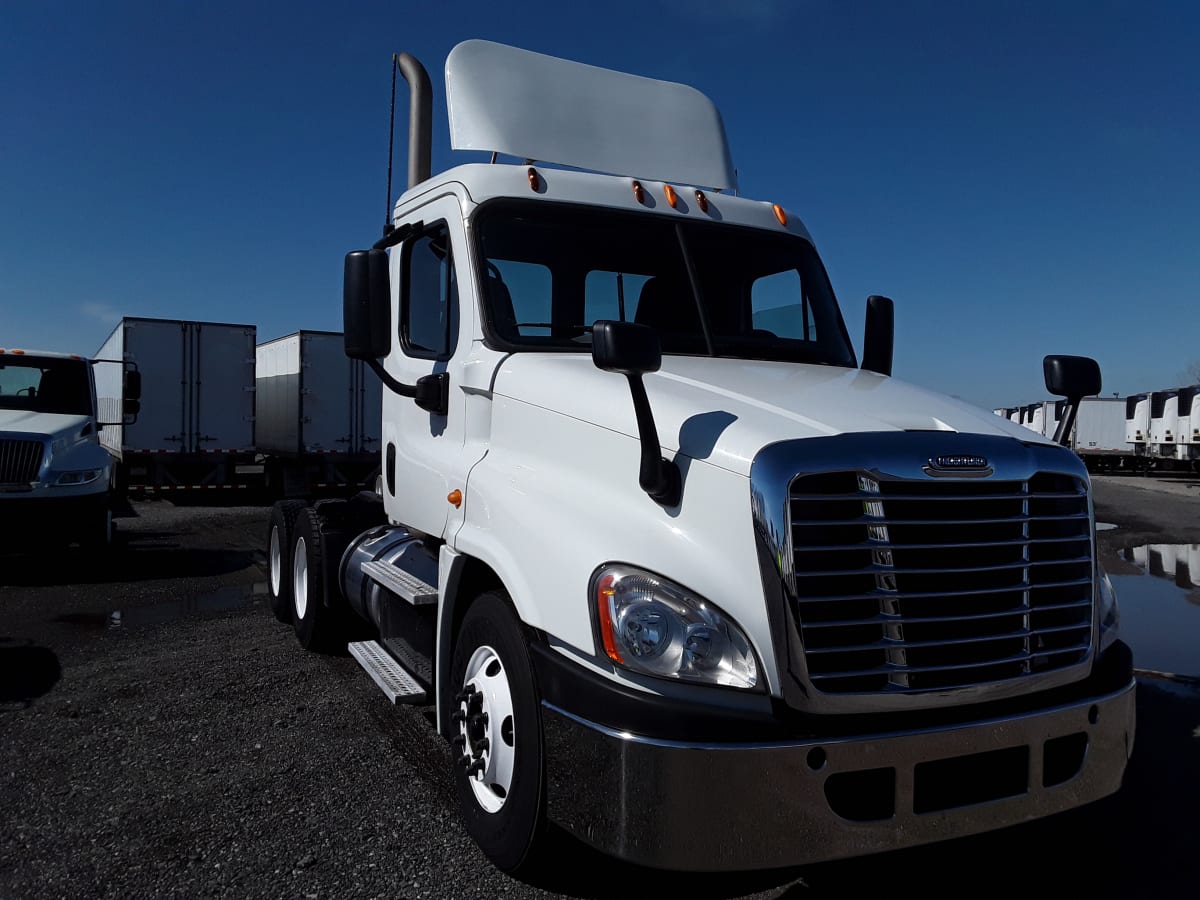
[
  {"x": 1108, "y": 611},
  {"x": 651, "y": 625},
  {"x": 81, "y": 476}
]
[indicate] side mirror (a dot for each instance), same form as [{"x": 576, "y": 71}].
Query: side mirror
[
  {"x": 1073, "y": 377},
  {"x": 133, "y": 388},
  {"x": 879, "y": 336},
  {"x": 632, "y": 350},
  {"x": 625, "y": 348},
  {"x": 131, "y": 407},
  {"x": 366, "y": 305}
]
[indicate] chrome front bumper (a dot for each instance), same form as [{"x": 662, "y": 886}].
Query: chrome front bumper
[{"x": 711, "y": 807}]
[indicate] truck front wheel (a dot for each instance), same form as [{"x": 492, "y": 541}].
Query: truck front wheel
[
  {"x": 280, "y": 533},
  {"x": 497, "y": 735}
]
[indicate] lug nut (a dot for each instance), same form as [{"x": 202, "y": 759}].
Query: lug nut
[{"x": 475, "y": 767}]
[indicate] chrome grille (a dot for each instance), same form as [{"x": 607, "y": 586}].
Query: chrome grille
[
  {"x": 908, "y": 586},
  {"x": 19, "y": 461}
]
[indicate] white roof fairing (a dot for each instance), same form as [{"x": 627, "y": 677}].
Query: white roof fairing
[{"x": 529, "y": 105}]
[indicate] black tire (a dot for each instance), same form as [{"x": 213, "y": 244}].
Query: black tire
[
  {"x": 318, "y": 627},
  {"x": 281, "y": 532},
  {"x": 512, "y": 835}
]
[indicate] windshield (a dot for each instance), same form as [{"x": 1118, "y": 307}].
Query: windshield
[
  {"x": 45, "y": 385},
  {"x": 554, "y": 269}
]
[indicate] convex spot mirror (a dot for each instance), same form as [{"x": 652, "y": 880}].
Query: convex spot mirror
[
  {"x": 625, "y": 347},
  {"x": 879, "y": 335},
  {"x": 366, "y": 305},
  {"x": 1071, "y": 376}
]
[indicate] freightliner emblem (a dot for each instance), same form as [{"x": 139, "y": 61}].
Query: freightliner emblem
[{"x": 959, "y": 464}]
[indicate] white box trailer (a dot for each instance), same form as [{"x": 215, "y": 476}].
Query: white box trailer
[
  {"x": 1099, "y": 433},
  {"x": 196, "y": 425},
  {"x": 1164, "y": 423},
  {"x": 1137, "y": 420},
  {"x": 317, "y": 414},
  {"x": 1188, "y": 423}
]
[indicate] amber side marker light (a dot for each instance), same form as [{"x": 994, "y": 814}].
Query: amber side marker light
[
  {"x": 780, "y": 214},
  {"x": 534, "y": 181},
  {"x": 17, "y": 352},
  {"x": 702, "y": 201},
  {"x": 604, "y": 595},
  {"x": 672, "y": 197},
  {"x": 454, "y": 498},
  {"x": 639, "y": 193}
]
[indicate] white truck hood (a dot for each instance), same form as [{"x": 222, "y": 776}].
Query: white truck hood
[
  {"x": 724, "y": 411},
  {"x": 38, "y": 424}
]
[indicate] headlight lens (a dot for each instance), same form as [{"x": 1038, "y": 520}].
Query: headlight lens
[
  {"x": 1109, "y": 612},
  {"x": 651, "y": 625}
]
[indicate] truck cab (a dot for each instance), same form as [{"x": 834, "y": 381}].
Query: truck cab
[
  {"x": 55, "y": 478},
  {"x": 677, "y": 570}
]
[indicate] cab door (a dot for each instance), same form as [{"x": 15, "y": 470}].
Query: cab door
[{"x": 431, "y": 313}]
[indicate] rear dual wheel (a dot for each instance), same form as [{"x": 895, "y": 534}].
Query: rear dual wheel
[
  {"x": 318, "y": 625},
  {"x": 280, "y": 534}
]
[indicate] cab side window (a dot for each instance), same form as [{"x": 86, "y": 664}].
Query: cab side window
[{"x": 429, "y": 299}]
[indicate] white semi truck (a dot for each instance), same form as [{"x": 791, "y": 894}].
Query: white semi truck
[
  {"x": 675, "y": 570},
  {"x": 56, "y": 479}
]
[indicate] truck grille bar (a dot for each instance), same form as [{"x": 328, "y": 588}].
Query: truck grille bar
[
  {"x": 19, "y": 461},
  {"x": 905, "y": 586}
]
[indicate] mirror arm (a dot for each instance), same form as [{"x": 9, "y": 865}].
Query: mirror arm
[
  {"x": 397, "y": 235},
  {"x": 431, "y": 392},
  {"x": 1062, "y": 434},
  {"x": 658, "y": 477}
]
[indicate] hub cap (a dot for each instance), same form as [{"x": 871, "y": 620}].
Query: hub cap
[
  {"x": 300, "y": 578},
  {"x": 276, "y": 562},
  {"x": 486, "y": 739}
]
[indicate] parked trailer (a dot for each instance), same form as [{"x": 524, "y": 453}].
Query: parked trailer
[
  {"x": 1099, "y": 434},
  {"x": 1188, "y": 446},
  {"x": 317, "y": 415},
  {"x": 1164, "y": 423},
  {"x": 196, "y": 426}
]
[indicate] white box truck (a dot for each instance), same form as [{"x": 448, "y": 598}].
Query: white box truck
[
  {"x": 56, "y": 481},
  {"x": 317, "y": 415},
  {"x": 674, "y": 568},
  {"x": 196, "y": 427}
]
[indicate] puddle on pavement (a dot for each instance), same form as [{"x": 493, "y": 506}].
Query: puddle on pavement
[
  {"x": 221, "y": 600},
  {"x": 1158, "y": 588}
]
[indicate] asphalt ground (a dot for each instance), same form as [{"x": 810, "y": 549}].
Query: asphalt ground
[{"x": 161, "y": 734}]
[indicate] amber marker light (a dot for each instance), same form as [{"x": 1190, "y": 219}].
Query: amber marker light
[
  {"x": 454, "y": 498},
  {"x": 702, "y": 201},
  {"x": 604, "y": 595},
  {"x": 639, "y": 193},
  {"x": 672, "y": 197},
  {"x": 780, "y": 214},
  {"x": 534, "y": 181},
  {"x": 17, "y": 352}
]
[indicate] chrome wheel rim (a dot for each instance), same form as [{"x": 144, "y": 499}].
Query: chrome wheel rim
[
  {"x": 300, "y": 578},
  {"x": 276, "y": 554}
]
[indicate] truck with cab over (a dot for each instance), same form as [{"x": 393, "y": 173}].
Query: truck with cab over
[{"x": 675, "y": 568}]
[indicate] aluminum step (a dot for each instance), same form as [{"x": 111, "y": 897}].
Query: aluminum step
[
  {"x": 402, "y": 584},
  {"x": 391, "y": 677}
]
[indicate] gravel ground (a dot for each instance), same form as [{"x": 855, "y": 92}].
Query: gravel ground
[{"x": 194, "y": 749}]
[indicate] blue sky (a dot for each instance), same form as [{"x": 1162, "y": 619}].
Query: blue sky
[{"x": 1021, "y": 177}]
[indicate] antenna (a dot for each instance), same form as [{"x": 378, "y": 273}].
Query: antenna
[{"x": 387, "y": 212}]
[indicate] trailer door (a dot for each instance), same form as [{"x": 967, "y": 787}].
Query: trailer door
[{"x": 222, "y": 366}]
